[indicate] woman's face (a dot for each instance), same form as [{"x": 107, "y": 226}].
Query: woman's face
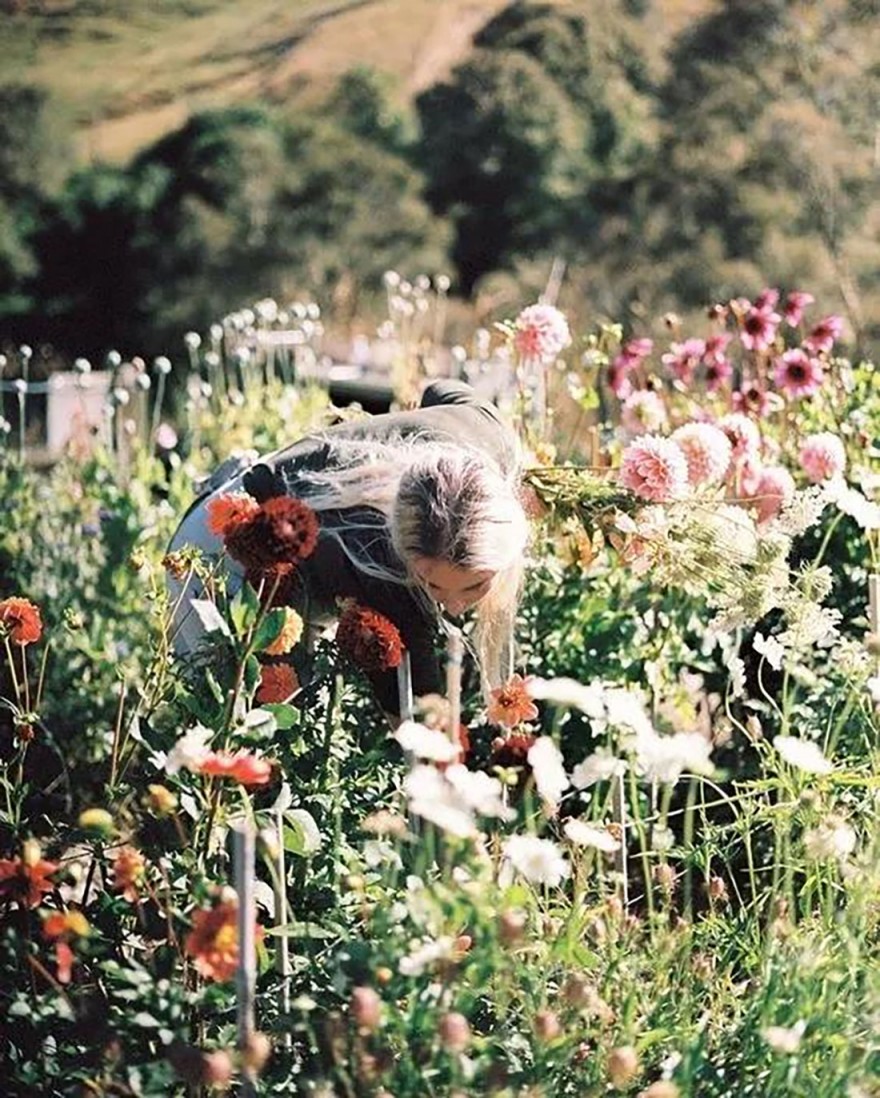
[{"x": 454, "y": 588}]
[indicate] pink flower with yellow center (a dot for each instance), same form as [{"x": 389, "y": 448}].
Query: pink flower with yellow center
[
  {"x": 655, "y": 469},
  {"x": 540, "y": 333},
  {"x": 822, "y": 457},
  {"x": 798, "y": 374},
  {"x": 707, "y": 450}
]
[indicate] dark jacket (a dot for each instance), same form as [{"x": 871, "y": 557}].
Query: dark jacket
[{"x": 449, "y": 412}]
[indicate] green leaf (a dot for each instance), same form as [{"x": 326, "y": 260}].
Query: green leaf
[
  {"x": 244, "y": 608},
  {"x": 301, "y": 833},
  {"x": 269, "y": 629},
  {"x": 286, "y": 716}
]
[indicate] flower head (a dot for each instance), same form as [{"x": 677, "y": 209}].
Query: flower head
[
  {"x": 540, "y": 332},
  {"x": 707, "y": 450},
  {"x": 511, "y": 704},
  {"x": 548, "y": 770},
  {"x": 289, "y": 635},
  {"x": 129, "y": 867},
  {"x": 242, "y": 767},
  {"x": 229, "y": 510},
  {"x": 62, "y": 927},
  {"x": 368, "y": 639},
  {"x": 803, "y": 754},
  {"x": 775, "y": 488},
  {"x": 742, "y": 433},
  {"x": 20, "y": 620},
  {"x": 655, "y": 469},
  {"x": 759, "y": 328},
  {"x": 824, "y": 335},
  {"x": 643, "y": 412},
  {"x": 277, "y": 682},
  {"x": 798, "y": 374},
  {"x": 538, "y": 860},
  {"x": 283, "y": 529},
  {"x": 684, "y": 358},
  {"x": 822, "y": 456},
  {"x": 213, "y": 940},
  {"x": 25, "y": 879},
  {"x": 795, "y": 304}
]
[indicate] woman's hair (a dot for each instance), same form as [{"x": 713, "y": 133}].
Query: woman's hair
[{"x": 436, "y": 500}]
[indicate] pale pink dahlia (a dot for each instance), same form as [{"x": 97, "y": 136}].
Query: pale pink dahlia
[
  {"x": 707, "y": 450},
  {"x": 541, "y": 332},
  {"x": 795, "y": 304},
  {"x": 822, "y": 456},
  {"x": 654, "y": 468},
  {"x": 643, "y": 413},
  {"x": 797, "y": 374},
  {"x": 774, "y": 489},
  {"x": 744, "y": 436},
  {"x": 823, "y": 336}
]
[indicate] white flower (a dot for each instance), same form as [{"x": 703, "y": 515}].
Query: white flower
[
  {"x": 665, "y": 758},
  {"x": 873, "y": 685},
  {"x": 803, "y": 754},
  {"x": 599, "y": 767},
  {"x": 662, "y": 839},
  {"x": 833, "y": 838},
  {"x": 434, "y": 799},
  {"x": 538, "y": 860},
  {"x": 770, "y": 649},
  {"x": 549, "y": 773},
  {"x": 733, "y": 532},
  {"x": 190, "y": 751},
  {"x": 568, "y": 692},
  {"x": 737, "y": 670},
  {"x": 426, "y": 743},
  {"x": 801, "y": 512},
  {"x": 851, "y": 502},
  {"x": 426, "y": 954},
  {"x": 782, "y": 1039},
  {"x": 584, "y": 834},
  {"x": 478, "y": 791},
  {"x": 625, "y": 710},
  {"x": 378, "y": 852}
]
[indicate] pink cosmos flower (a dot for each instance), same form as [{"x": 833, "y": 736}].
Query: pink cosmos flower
[
  {"x": 797, "y": 374},
  {"x": 744, "y": 436},
  {"x": 632, "y": 353},
  {"x": 684, "y": 358},
  {"x": 654, "y": 468},
  {"x": 774, "y": 489},
  {"x": 753, "y": 400},
  {"x": 643, "y": 413},
  {"x": 759, "y": 328},
  {"x": 795, "y": 304},
  {"x": 766, "y": 299},
  {"x": 707, "y": 450},
  {"x": 718, "y": 372},
  {"x": 825, "y": 333},
  {"x": 822, "y": 456},
  {"x": 541, "y": 332},
  {"x": 618, "y": 380}
]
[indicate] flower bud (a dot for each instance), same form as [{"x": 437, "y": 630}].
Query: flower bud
[
  {"x": 97, "y": 821},
  {"x": 546, "y": 1025},
  {"x": 664, "y": 877},
  {"x": 384, "y": 975},
  {"x": 366, "y": 1008},
  {"x": 256, "y": 1052},
  {"x": 511, "y": 927},
  {"x": 217, "y": 1068},
  {"x": 717, "y": 890},
  {"x": 160, "y": 800},
  {"x": 454, "y": 1032},
  {"x": 623, "y": 1066}
]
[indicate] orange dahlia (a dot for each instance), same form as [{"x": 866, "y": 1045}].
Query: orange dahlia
[
  {"x": 511, "y": 703},
  {"x": 228, "y": 511},
  {"x": 128, "y": 871},
  {"x": 26, "y": 879},
  {"x": 369, "y": 639},
  {"x": 277, "y": 682},
  {"x": 290, "y": 634},
  {"x": 20, "y": 620},
  {"x": 213, "y": 940},
  {"x": 241, "y": 767}
]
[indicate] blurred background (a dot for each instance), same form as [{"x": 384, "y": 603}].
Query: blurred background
[{"x": 165, "y": 162}]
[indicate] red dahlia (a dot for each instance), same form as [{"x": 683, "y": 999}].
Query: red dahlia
[
  {"x": 20, "y": 620},
  {"x": 369, "y": 639},
  {"x": 282, "y": 530}
]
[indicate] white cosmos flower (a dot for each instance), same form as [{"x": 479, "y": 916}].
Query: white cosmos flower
[
  {"x": 599, "y": 767},
  {"x": 424, "y": 954},
  {"x": 190, "y": 751},
  {"x": 538, "y": 860},
  {"x": 804, "y": 754},
  {"x": 479, "y": 791},
  {"x": 584, "y": 834},
  {"x": 770, "y": 649},
  {"x": 567, "y": 692},
  {"x": 833, "y": 838},
  {"x": 378, "y": 852},
  {"x": 626, "y": 710},
  {"x": 433, "y": 798},
  {"x": 426, "y": 743},
  {"x": 737, "y": 670},
  {"x": 784, "y": 1039},
  {"x": 665, "y": 758},
  {"x": 549, "y": 773},
  {"x": 851, "y": 502}
]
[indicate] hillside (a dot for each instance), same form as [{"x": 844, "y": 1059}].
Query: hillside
[{"x": 124, "y": 72}]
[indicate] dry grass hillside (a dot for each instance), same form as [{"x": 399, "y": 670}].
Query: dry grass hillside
[{"x": 124, "y": 72}]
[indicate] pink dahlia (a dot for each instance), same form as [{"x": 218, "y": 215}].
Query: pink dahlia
[
  {"x": 774, "y": 489},
  {"x": 797, "y": 374},
  {"x": 654, "y": 468},
  {"x": 795, "y": 304},
  {"x": 707, "y": 450},
  {"x": 743, "y": 434},
  {"x": 643, "y": 413},
  {"x": 823, "y": 336},
  {"x": 745, "y": 475},
  {"x": 759, "y": 328},
  {"x": 541, "y": 332},
  {"x": 684, "y": 358},
  {"x": 822, "y": 456}
]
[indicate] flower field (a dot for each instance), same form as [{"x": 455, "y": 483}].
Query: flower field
[{"x": 648, "y": 864}]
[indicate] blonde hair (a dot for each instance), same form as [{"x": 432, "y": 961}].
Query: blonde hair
[{"x": 431, "y": 499}]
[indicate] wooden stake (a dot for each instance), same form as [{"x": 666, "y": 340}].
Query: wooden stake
[{"x": 246, "y": 974}]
